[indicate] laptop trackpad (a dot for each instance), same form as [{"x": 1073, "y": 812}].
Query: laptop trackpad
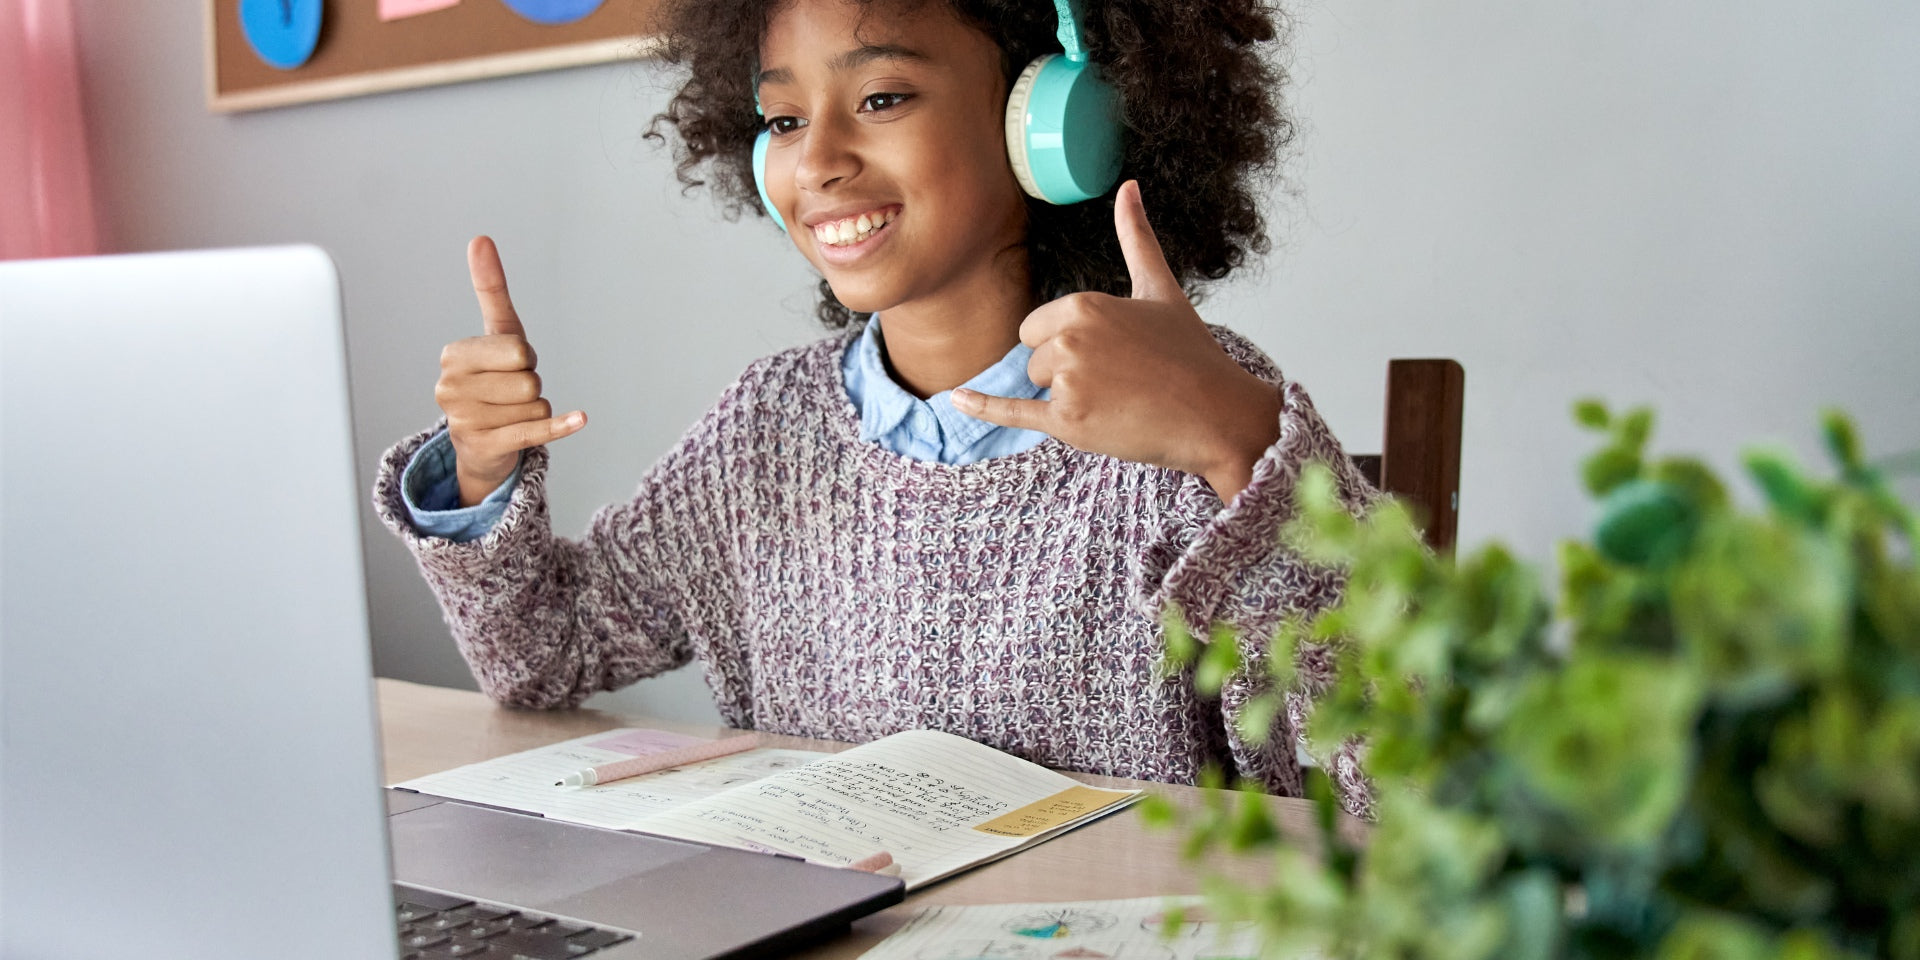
[{"x": 518, "y": 859}]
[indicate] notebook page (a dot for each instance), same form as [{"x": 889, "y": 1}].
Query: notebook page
[
  {"x": 524, "y": 780},
  {"x": 921, "y": 796}
]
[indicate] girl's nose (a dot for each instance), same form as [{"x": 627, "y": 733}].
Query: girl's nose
[{"x": 828, "y": 154}]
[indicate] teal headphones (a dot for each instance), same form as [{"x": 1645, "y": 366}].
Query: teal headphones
[{"x": 1063, "y": 126}]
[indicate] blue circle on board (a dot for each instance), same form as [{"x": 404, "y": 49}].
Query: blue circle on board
[
  {"x": 282, "y": 32},
  {"x": 553, "y": 11}
]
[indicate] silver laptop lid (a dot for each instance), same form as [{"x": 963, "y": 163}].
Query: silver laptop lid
[{"x": 189, "y": 764}]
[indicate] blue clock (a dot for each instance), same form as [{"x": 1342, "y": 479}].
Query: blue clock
[
  {"x": 282, "y": 32},
  {"x": 553, "y": 11}
]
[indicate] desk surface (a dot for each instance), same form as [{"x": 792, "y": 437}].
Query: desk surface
[{"x": 429, "y": 729}]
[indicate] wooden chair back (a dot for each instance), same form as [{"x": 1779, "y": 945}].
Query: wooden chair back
[{"x": 1421, "y": 460}]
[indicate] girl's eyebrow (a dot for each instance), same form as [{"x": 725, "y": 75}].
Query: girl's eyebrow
[
  {"x": 867, "y": 53},
  {"x": 852, "y": 59}
]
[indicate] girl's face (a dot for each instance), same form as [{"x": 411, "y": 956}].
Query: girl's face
[{"x": 888, "y": 159}]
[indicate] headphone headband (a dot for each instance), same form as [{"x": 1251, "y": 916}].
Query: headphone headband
[{"x": 1069, "y": 31}]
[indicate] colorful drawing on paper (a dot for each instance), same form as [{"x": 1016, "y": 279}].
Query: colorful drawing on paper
[
  {"x": 1193, "y": 920},
  {"x": 1123, "y": 949},
  {"x": 1083, "y": 930},
  {"x": 1032, "y": 950},
  {"x": 978, "y": 950},
  {"x": 1215, "y": 941},
  {"x": 1053, "y": 924}
]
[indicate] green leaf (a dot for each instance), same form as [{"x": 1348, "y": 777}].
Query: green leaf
[
  {"x": 1692, "y": 481},
  {"x": 1610, "y": 467},
  {"x": 1716, "y": 936},
  {"x": 1257, "y": 717},
  {"x": 1172, "y": 920},
  {"x": 1635, "y": 428},
  {"x": 1218, "y": 662},
  {"x": 1643, "y": 522},
  {"x": 1157, "y": 812},
  {"x": 1779, "y": 479},
  {"x": 1534, "y": 916},
  {"x": 1181, "y": 647},
  {"x": 1607, "y": 743},
  {"x": 1251, "y": 826},
  {"x": 1842, "y": 442},
  {"x": 1592, "y": 414}
]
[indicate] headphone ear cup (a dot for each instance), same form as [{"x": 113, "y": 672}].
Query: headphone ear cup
[
  {"x": 760, "y": 178},
  {"x": 1063, "y": 130},
  {"x": 1017, "y": 127}
]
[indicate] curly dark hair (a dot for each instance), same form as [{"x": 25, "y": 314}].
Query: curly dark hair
[{"x": 1204, "y": 125}]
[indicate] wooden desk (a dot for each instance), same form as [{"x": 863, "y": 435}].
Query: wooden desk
[{"x": 429, "y": 729}]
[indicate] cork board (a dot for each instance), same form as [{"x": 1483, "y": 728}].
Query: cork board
[{"x": 358, "y": 53}]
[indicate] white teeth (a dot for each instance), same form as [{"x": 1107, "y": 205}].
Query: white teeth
[{"x": 853, "y": 229}]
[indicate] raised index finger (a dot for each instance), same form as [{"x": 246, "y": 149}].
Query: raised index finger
[{"x": 490, "y": 286}]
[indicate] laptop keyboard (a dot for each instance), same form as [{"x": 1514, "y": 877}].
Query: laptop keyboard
[{"x": 434, "y": 926}]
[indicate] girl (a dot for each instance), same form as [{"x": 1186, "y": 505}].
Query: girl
[{"x": 969, "y": 508}]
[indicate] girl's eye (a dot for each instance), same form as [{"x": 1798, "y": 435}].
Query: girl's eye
[
  {"x": 884, "y": 101},
  {"x": 780, "y": 125}
]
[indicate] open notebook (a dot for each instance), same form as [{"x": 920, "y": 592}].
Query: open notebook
[{"x": 937, "y": 803}]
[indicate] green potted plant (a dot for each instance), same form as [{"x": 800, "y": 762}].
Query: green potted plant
[{"x": 1707, "y": 745}]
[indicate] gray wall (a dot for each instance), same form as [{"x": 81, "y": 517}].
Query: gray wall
[{"x": 1710, "y": 207}]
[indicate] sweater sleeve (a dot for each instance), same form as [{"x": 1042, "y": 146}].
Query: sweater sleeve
[
  {"x": 1226, "y": 565},
  {"x": 545, "y": 621}
]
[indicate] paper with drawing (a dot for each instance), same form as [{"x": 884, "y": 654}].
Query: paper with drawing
[{"x": 1134, "y": 929}]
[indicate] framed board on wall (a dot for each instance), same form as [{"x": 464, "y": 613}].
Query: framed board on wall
[{"x": 343, "y": 48}]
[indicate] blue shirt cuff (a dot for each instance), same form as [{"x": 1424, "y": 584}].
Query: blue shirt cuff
[{"x": 431, "y": 489}]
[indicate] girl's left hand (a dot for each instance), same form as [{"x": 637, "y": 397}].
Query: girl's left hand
[{"x": 1140, "y": 378}]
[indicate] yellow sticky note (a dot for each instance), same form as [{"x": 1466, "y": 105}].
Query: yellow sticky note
[{"x": 1042, "y": 815}]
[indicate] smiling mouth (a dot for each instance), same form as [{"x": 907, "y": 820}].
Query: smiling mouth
[{"x": 852, "y": 230}]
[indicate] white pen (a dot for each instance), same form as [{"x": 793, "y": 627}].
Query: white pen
[{"x": 664, "y": 760}]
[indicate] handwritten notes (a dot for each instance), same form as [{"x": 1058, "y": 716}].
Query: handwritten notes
[
  {"x": 917, "y": 795},
  {"x": 1042, "y": 815},
  {"x": 524, "y": 781},
  {"x": 936, "y": 803}
]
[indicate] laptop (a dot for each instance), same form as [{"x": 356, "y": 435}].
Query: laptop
[{"x": 189, "y": 760}]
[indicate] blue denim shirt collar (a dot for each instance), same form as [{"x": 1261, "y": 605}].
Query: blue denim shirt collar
[{"x": 932, "y": 426}]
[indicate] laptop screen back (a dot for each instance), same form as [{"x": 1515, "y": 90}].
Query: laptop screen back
[{"x": 188, "y": 763}]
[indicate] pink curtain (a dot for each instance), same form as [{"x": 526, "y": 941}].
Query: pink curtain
[{"x": 46, "y": 194}]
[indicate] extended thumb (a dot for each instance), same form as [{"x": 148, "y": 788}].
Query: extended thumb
[{"x": 1147, "y": 265}]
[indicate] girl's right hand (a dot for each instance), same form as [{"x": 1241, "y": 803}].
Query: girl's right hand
[{"x": 489, "y": 391}]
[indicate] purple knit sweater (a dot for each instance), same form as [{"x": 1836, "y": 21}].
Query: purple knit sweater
[{"x": 832, "y": 589}]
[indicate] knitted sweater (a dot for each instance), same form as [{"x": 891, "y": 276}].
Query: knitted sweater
[{"x": 832, "y": 589}]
